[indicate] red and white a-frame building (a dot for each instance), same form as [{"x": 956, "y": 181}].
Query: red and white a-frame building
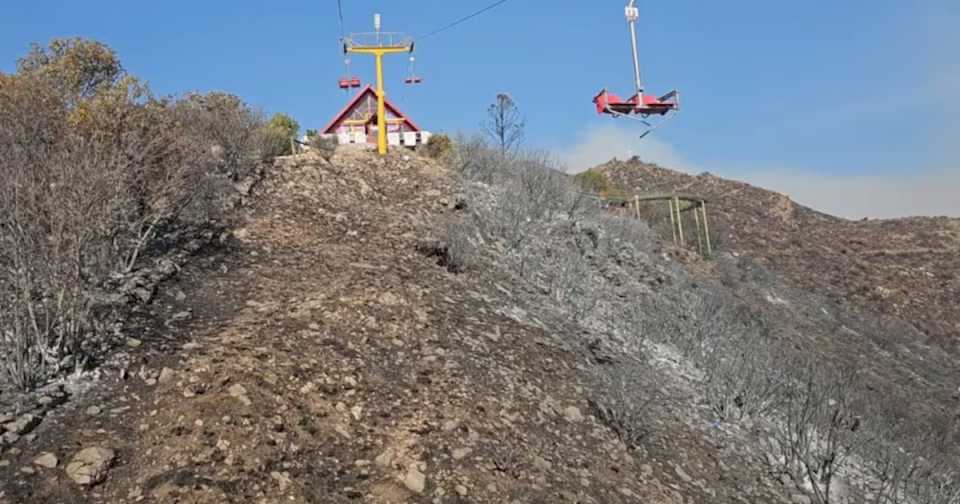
[{"x": 357, "y": 123}]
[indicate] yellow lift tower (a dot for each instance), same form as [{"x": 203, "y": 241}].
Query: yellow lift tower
[{"x": 378, "y": 44}]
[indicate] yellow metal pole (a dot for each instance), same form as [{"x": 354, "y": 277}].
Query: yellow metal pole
[
  {"x": 379, "y": 52},
  {"x": 381, "y": 108}
]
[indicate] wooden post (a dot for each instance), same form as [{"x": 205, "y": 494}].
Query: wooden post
[
  {"x": 696, "y": 218},
  {"x": 636, "y": 201},
  {"x": 706, "y": 228},
  {"x": 673, "y": 222},
  {"x": 293, "y": 146},
  {"x": 676, "y": 202}
]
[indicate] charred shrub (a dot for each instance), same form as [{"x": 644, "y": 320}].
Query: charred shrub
[
  {"x": 95, "y": 169},
  {"x": 453, "y": 250},
  {"x": 624, "y": 407}
]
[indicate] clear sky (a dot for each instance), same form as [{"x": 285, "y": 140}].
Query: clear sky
[{"x": 848, "y": 105}]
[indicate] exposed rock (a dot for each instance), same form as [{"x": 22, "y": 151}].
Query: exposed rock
[
  {"x": 385, "y": 459},
  {"x": 282, "y": 479},
  {"x": 542, "y": 464},
  {"x": 389, "y": 299},
  {"x": 90, "y": 466},
  {"x": 573, "y": 414},
  {"x": 240, "y": 393},
  {"x": 22, "y": 425},
  {"x": 414, "y": 479},
  {"x": 47, "y": 460},
  {"x": 166, "y": 375},
  {"x": 646, "y": 471},
  {"x": 682, "y": 474}
]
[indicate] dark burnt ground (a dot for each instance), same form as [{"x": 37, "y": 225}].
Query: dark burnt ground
[
  {"x": 332, "y": 362},
  {"x": 201, "y": 297}
]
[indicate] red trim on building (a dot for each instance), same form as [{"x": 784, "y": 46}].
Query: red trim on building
[{"x": 332, "y": 126}]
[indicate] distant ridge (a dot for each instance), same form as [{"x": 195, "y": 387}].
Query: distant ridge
[{"x": 909, "y": 267}]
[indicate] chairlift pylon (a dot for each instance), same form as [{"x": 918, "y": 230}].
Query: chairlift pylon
[{"x": 641, "y": 107}]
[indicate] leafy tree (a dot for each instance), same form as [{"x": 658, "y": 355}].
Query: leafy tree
[
  {"x": 78, "y": 68},
  {"x": 281, "y": 122},
  {"x": 280, "y": 130}
]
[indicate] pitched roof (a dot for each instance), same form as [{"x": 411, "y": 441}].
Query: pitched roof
[{"x": 329, "y": 128}]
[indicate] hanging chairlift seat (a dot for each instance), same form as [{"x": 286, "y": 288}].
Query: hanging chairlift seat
[
  {"x": 347, "y": 83},
  {"x": 609, "y": 103},
  {"x": 650, "y": 111},
  {"x": 413, "y": 80}
]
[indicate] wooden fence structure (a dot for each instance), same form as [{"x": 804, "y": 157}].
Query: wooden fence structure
[{"x": 679, "y": 205}]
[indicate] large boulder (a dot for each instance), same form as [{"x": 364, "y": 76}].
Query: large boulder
[{"x": 89, "y": 466}]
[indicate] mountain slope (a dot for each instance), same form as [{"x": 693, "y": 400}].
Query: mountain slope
[
  {"x": 331, "y": 361},
  {"x": 908, "y": 267}
]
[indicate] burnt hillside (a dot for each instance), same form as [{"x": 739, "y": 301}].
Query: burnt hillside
[
  {"x": 909, "y": 268},
  {"x": 334, "y": 357}
]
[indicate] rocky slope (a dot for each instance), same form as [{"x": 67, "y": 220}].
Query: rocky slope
[
  {"x": 879, "y": 294},
  {"x": 328, "y": 359},
  {"x": 905, "y": 267}
]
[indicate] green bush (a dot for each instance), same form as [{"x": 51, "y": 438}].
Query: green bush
[
  {"x": 277, "y": 136},
  {"x": 439, "y": 147},
  {"x": 593, "y": 181}
]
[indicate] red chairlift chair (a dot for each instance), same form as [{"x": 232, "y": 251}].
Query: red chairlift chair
[
  {"x": 644, "y": 105},
  {"x": 347, "y": 83},
  {"x": 640, "y": 107},
  {"x": 413, "y": 78}
]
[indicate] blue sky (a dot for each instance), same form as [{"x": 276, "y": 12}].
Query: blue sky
[{"x": 816, "y": 99}]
